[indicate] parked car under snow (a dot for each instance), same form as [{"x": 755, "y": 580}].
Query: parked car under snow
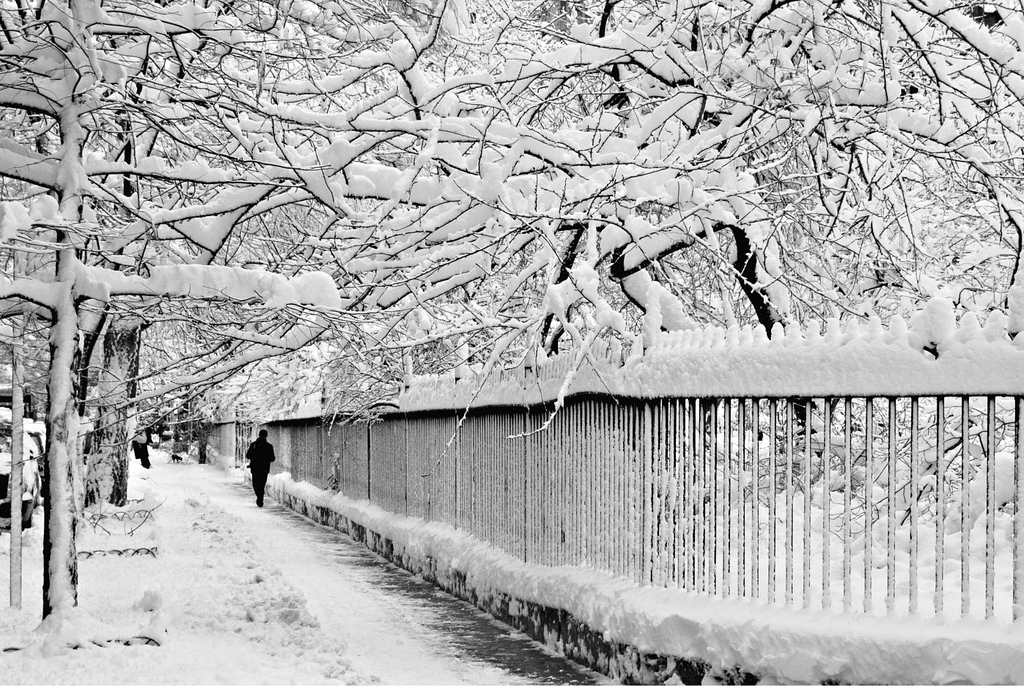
[{"x": 34, "y": 440}]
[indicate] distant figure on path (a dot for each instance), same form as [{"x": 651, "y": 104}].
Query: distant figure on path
[
  {"x": 140, "y": 446},
  {"x": 260, "y": 454}
]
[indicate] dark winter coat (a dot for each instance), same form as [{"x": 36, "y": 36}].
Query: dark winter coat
[{"x": 260, "y": 454}]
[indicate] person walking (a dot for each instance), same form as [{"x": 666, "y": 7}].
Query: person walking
[
  {"x": 260, "y": 454},
  {"x": 140, "y": 446}
]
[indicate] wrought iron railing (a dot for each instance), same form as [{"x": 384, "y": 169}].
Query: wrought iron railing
[{"x": 886, "y": 506}]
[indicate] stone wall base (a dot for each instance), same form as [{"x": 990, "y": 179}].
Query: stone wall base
[{"x": 554, "y": 627}]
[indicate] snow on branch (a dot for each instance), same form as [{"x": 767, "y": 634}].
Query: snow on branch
[{"x": 211, "y": 282}]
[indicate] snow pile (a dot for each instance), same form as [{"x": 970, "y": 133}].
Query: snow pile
[
  {"x": 934, "y": 355},
  {"x": 776, "y": 643}
]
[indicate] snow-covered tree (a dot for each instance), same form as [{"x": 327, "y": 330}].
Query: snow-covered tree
[
  {"x": 130, "y": 160},
  {"x": 452, "y": 182},
  {"x": 537, "y": 171},
  {"x": 649, "y": 166}
]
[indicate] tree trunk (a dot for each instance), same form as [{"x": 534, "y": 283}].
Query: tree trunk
[
  {"x": 107, "y": 474},
  {"x": 60, "y": 507},
  {"x": 62, "y": 479}
]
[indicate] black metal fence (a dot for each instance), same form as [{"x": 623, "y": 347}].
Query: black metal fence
[{"x": 887, "y": 506}]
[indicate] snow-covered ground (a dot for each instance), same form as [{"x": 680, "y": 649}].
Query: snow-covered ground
[
  {"x": 235, "y": 594},
  {"x": 238, "y": 594}
]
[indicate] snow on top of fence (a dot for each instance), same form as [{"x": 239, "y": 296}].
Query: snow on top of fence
[{"x": 935, "y": 354}]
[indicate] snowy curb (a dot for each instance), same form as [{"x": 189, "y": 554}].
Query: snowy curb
[{"x": 649, "y": 634}]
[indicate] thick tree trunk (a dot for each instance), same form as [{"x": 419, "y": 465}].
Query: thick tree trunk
[
  {"x": 60, "y": 507},
  {"x": 62, "y": 479},
  {"x": 107, "y": 474}
]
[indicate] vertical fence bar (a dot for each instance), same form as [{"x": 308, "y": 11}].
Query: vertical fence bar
[
  {"x": 505, "y": 521},
  {"x": 564, "y": 499},
  {"x": 613, "y": 469},
  {"x": 635, "y": 496},
  {"x": 848, "y": 504},
  {"x": 531, "y": 510},
  {"x": 501, "y": 514},
  {"x": 665, "y": 506},
  {"x": 663, "y": 476},
  {"x": 542, "y": 478},
  {"x": 1018, "y": 506},
  {"x": 940, "y": 502},
  {"x": 546, "y": 485},
  {"x": 869, "y": 500},
  {"x": 755, "y": 496},
  {"x": 603, "y": 482},
  {"x": 471, "y": 483},
  {"x": 545, "y": 466},
  {"x": 714, "y": 541},
  {"x": 649, "y": 491},
  {"x": 772, "y": 480},
  {"x": 620, "y": 510},
  {"x": 790, "y": 561},
  {"x": 522, "y": 484},
  {"x": 826, "y": 506},
  {"x": 544, "y": 473},
  {"x": 586, "y": 484},
  {"x": 488, "y": 464},
  {"x": 617, "y": 513},
  {"x": 707, "y": 480},
  {"x": 559, "y": 500},
  {"x": 741, "y": 501},
  {"x": 672, "y": 490},
  {"x": 806, "y": 524},
  {"x": 682, "y": 550},
  {"x": 691, "y": 494},
  {"x": 593, "y": 436},
  {"x": 728, "y": 506},
  {"x": 890, "y": 538},
  {"x": 521, "y": 426},
  {"x": 517, "y": 485},
  {"x": 915, "y": 480},
  {"x": 500, "y": 490},
  {"x": 700, "y": 514},
  {"x": 573, "y": 478},
  {"x": 488, "y": 473},
  {"x": 455, "y": 450},
  {"x": 676, "y": 460},
  {"x": 685, "y": 477},
  {"x": 567, "y": 497},
  {"x": 656, "y": 478},
  {"x": 965, "y": 507},
  {"x": 990, "y": 509},
  {"x": 674, "y": 535},
  {"x": 411, "y": 469},
  {"x": 602, "y": 485},
  {"x": 704, "y": 547},
  {"x": 607, "y": 485},
  {"x": 629, "y": 491}
]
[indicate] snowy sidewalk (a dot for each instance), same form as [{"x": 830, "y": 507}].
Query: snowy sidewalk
[{"x": 246, "y": 595}]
